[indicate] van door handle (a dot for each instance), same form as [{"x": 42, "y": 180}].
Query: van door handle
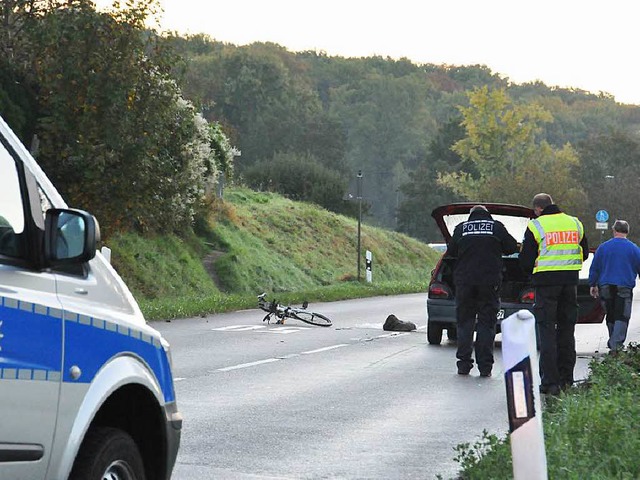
[{"x": 81, "y": 291}]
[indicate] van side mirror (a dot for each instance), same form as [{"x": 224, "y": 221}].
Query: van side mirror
[{"x": 71, "y": 237}]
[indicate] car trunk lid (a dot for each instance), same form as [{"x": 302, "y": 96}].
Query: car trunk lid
[{"x": 514, "y": 217}]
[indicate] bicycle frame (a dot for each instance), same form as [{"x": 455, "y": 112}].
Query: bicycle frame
[{"x": 273, "y": 308}]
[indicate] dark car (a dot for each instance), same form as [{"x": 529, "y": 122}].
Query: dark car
[{"x": 516, "y": 291}]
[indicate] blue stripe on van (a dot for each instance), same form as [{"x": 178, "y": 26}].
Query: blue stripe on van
[
  {"x": 31, "y": 345},
  {"x": 30, "y": 341},
  {"x": 90, "y": 346}
]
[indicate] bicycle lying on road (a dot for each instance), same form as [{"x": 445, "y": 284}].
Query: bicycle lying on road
[{"x": 282, "y": 312}]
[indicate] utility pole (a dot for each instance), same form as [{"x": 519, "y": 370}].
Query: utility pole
[{"x": 359, "y": 216}]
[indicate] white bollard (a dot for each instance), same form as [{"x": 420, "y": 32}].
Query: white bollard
[
  {"x": 522, "y": 377},
  {"x": 369, "y": 273},
  {"x": 106, "y": 253}
]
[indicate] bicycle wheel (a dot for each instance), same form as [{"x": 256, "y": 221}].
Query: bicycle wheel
[{"x": 312, "y": 318}]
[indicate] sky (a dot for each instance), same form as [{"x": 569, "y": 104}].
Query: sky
[{"x": 585, "y": 44}]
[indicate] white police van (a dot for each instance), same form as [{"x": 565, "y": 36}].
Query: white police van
[{"x": 86, "y": 390}]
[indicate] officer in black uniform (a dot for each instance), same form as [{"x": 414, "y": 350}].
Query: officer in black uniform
[{"x": 478, "y": 245}]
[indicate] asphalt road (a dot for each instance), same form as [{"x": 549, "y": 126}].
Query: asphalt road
[{"x": 346, "y": 402}]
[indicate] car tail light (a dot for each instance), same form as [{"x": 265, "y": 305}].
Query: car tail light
[
  {"x": 528, "y": 296},
  {"x": 439, "y": 290}
]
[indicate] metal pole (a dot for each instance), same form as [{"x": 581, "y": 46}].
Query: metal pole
[{"x": 359, "y": 216}]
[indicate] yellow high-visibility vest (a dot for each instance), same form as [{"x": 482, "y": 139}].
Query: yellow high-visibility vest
[{"x": 558, "y": 236}]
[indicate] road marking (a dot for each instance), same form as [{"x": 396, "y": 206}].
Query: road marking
[
  {"x": 250, "y": 364},
  {"x": 332, "y": 347},
  {"x": 309, "y": 352},
  {"x": 239, "y": 328},
  {"x": 285, "y": 330},
  {"x": 291, "y": 355},
  {"x": 261, "y": 328},
  {"x": 178, "y": 379},
  {"x": 284, "y": 357}
]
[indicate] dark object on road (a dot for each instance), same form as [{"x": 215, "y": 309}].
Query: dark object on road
[{"x": 393, "y": 324}]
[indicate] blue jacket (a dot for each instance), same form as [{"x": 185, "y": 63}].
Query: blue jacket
[{"x": 616, "y": 262}]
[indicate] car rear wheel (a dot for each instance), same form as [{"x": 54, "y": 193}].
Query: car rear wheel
[
  {"x": 452, "y": 334},
  {"x": 434, "y": 333}
]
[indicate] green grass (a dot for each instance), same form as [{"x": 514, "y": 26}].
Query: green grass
[
  {"x": 263, "y": 242},
  {"x": 590, "y": 431},
  {"x": 169, "y": 308}
]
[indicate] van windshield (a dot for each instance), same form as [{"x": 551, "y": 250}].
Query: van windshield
[{"x": 11, "y": 213}]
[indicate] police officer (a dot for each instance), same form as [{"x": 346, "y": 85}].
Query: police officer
[
  {"x": 553, "y": 250},
  {"x": 478, "y": 245}
]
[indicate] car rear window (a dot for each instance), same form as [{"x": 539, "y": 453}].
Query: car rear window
[{"x": 516, "y": 226}]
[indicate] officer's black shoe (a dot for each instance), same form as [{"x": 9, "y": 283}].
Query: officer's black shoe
[
  {"x": 463, "y": 370},
  {"x": 485, "y": 374}
]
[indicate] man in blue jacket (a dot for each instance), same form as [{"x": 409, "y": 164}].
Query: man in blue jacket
[{"x": 612, "y": 276}]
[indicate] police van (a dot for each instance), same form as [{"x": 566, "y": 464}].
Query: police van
[{"x": 86, "y": 389}]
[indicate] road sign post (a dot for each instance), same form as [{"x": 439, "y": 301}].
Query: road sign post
[{"x": 601, "y": 222}]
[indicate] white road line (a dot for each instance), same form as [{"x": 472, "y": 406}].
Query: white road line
[
  {"x": 250, "y": 364},
  {"x": 178, "y": 379},
  {"x": 291, "y": 355},
  {"x": 332, "y": 347},
  {"x": 309, "y": 352},
  {"x": 239, "y": 328},
  {"x": 285, "y": 330}
]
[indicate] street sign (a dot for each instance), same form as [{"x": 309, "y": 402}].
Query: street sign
[
  {"x": 602, "y": 216},
  {"x": 602, "y": 225}
]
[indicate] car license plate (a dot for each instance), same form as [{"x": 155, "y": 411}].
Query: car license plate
[{"x": 500, "y": 315}]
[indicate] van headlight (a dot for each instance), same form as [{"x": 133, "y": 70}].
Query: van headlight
[{"x": 167, "y": 350}]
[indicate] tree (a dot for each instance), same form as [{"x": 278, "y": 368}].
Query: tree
[
  {"x": 422, "y": 193},
  {"x": 610, "y": 173},
  {"x": 388, "y": 122},
  {"x": 116, "y": 136},
  {"x": 301, "y": 178},
  {"x": 510, "y": 162}
]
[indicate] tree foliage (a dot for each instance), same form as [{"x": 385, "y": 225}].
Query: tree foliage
[
  {"x": 422, "y": 193},
  {"x": 116, "y": 110},
  {"x": 510, "y": 161},
  {"x": 301, "y": 178},
  {"x": 115, "y": 133},
  {"x": 380, "y": 115},
  {"x": 610, "y": 173}
]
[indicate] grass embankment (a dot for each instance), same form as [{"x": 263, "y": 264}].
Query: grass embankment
[
  {"x": 261, "y": 242},
  {"x": 591, "y": 431}
]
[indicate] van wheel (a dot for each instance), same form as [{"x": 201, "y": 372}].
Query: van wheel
[
  {"x": 108, "y": 454},
  {"x": 434, "y": 333}
]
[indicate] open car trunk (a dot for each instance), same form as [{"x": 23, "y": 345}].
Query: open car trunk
[{"x": 516, "y": 291}]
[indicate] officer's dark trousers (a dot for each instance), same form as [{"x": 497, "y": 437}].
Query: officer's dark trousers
[
  {"x": 617, "y": 303},
  {"x": 483, "y": 301},
  {"x": 556, "y": 312}
]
